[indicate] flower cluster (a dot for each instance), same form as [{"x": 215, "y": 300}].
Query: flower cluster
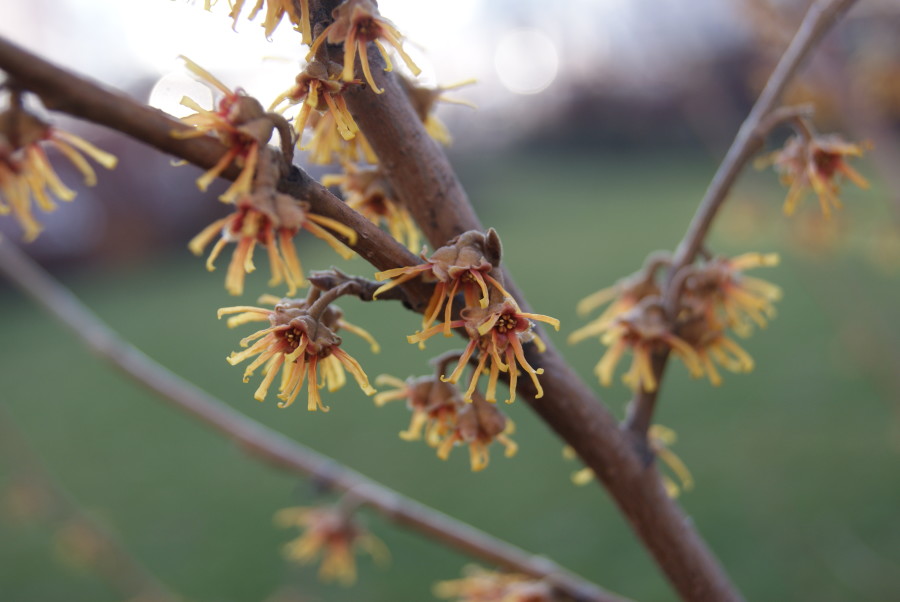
[
  {"x": 240, "y": 122},
  {"x": 332, "y": 533},
  {"x": 300, "y": 342},
  {"x": 263, "y": 216},
  {"x": 496, "y": 326},
  {"x": 439, "y": 409},
  {"x": 481, "y": 585},
  {"x": 714, "y": 296},
  {"x": 813, "y": 163},
  {"x": 26, "y": 176}
]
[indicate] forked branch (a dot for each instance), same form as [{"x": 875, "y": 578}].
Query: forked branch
[{"x": 763, "y": 117}]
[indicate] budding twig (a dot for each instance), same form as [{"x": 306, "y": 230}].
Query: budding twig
[{"x": 822, "y": 15}]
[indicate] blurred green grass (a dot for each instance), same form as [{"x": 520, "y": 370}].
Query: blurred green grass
[{"x": 796, "y": 464}]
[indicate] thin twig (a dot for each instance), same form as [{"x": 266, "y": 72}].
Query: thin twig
[
  {"x": 821, "y": 16},
  {"x": 271, "y": 446}
]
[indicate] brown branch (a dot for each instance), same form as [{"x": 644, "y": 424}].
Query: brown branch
[
  {"x": 423, "y": 179},
  {"x": 271, "y": 446},
  {"x": 764, "y": 116}
]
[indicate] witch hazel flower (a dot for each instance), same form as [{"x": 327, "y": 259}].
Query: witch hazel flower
[
  {"x": 332, "y": 533},
  {"x": 621, "y": 297},
  {"x": 356, "y": 23},
  {"x": 463, "y": 265},
  {"x": 268, "y": 218},
  {"x": 241, "y": 123},
  {"x": 716, "y": 296},
  {"x": 301, "y": 343},
  {"x": 318, "y": 88},
  {"x": 27, "y": 178},
  {"x": 447, "y": 419},
  {"x": 481, "y": 585},
  {"x": 496, "y": 334},
  {"x": 368, "y": 192},
  {"x": 434, "y": 405},
  {"x": 720, "y": 286},
  {"x": 645, "y": 331},
  {"x": 479, "y": 424},
  {"x": 812, "y": 162}
]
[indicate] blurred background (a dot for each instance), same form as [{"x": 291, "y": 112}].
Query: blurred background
[{"x": 599, "y": 125}]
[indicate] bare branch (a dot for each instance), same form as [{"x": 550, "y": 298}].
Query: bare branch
[{"x": 271, "y": 446}]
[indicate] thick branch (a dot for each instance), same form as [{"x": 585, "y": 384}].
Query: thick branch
[
  {"x": 422, "y": 177},
  {"x": 272, "y": 447},
  {"x": 762, "y": 118}
]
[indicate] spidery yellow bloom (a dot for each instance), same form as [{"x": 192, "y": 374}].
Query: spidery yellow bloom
[
  {"x": 356, "y": 23},
  {"x": 434, "y": 405},
  {"x": 718, "y": 295},
  {"x": 240, "y": 123},
  {"x": 332, "y": 534},
  {"x": 270, "y": 219},
  {"x": 813, "y": 163},
  {"x": 478, "y": 424},
  {"x": 464, "y": 264},
  {"x": 318, "y": 88},
  {"x": 301, "y": 345},
  {"x": 440, "y": 410},
  {"x": 644, "y": 330},
  {"x": 480, "y": 585},
  {"x": 714, "y": 295},
  {"x": 327, "y": 144},
  {"x": 26, "y": 176},
  {"x": 367, "y": 191},
  {"x": 497, "y": 333},
  {"x": 622, "y": 296}
]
